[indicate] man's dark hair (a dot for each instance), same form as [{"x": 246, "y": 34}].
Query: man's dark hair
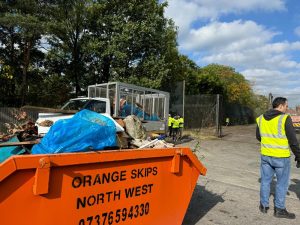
[{"x": 278, "y": 101}]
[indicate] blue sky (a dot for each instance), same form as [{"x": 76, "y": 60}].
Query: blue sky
[{"x": 259, "y": 38}]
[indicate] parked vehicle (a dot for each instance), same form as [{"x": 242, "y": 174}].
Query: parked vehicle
[
  {"x": 100, "y": 105},
  {"x": 296, "y": 122},
  {"x": 117, "y": 100}
]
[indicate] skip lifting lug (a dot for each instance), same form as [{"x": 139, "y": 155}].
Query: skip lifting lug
[
  {"x": 42, "y": 175},
  {"x": 175, "y": 167}
]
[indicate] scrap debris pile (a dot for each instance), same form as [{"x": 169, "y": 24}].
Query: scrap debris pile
[
  {"x": 23, "y": 138},
  {"x": 138, "y": 138},
  {"x": 25, "y": 129}
]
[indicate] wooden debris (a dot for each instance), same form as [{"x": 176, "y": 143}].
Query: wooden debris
[
  {"x": 120, "y": 122},
  {"x": 5, "y": 144},
  {"x": 46, "y": 123},
  {"x": 48, "y": 110},
  {"x": 123, "y": 140}
]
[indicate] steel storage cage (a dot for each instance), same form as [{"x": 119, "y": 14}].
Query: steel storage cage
[{"x": 148, "y": 104}]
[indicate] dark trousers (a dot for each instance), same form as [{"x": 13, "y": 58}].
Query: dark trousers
[
  {"x": 175, "y": 132},
  {"x": 180, "y": 132},
  {"x": 170, "y": 131}
]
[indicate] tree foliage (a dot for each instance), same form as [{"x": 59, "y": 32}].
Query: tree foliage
[
  {"x": 67, "y": 36},
  {"x": 82, "y": 42},
  {"x": 51, "y": 50},
  {"x": 21, "y": 27},
  {"x": 132, "y": 41},
  {"x": 236, "y": 88}
]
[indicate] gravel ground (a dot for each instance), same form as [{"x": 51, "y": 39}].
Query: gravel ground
[{"x": 229, "y": 193}]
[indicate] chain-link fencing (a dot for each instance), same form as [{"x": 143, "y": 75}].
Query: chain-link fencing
[
  {"x": 201, "y": 113},
  {"x": 207, "y": 113}
]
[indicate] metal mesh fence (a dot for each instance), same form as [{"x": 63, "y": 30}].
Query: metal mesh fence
[
  {"x": 177, "y": 98},
  {"x": 207, "y": 111},
  {"x": 238, "y": 114},
  {"x": 200, "y": 111}
]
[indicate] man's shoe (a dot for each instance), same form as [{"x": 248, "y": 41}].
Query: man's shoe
[
  {"x": 263, "y": 209},
  {"x": 283, "y": 213}
]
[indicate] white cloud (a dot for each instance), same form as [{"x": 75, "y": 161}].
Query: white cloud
[
  {"x": 297, "y": 31},
  {"x": 185, "y": 12},
  {"x": 276, "y": 82},
  {"x": 281, "y": 47},
  {"x": 219, "y": 7},
  {"x": 258, "y": 76},
  {"x": 251, "y": 58},
  {"x": 243, "y": 44},
  {"x": 212, "y": 9},
  {"x": 240, "y": 44},
  {"x": 231, "y": 36}
]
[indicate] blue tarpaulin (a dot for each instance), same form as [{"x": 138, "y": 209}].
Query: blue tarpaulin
[{"x": 85, "y": 131}]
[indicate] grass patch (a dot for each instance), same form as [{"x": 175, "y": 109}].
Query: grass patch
[{"x": 201, "y": 134}]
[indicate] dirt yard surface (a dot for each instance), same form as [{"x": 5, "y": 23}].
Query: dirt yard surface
[{"x": 229, "y": 193}]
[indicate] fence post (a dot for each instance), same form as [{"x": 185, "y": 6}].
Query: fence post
[
  {"x": 183, "y": 97},
  {"x": 218, "y": 118},
  {"x": 270, "y": 101}
]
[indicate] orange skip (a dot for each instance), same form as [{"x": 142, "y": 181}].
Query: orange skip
[{"x": 148, "y": 187}]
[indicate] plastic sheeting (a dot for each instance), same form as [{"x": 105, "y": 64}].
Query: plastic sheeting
[
  {"x": 85, "y": 131},
  {"x": 6, "y": 152},
  {"x": 126, "y": 111}
]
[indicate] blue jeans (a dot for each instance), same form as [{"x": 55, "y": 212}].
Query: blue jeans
[{"x": 281, "y": 167}]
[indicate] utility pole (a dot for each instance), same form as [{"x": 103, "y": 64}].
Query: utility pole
[
  {"x": 270, "y": 100},
  {"x": 183, "y": 97},
  {"x": 218, "y": 117}
]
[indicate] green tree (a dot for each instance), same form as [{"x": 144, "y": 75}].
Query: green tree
[
  {"x": 132, "y": 41},
  {"x": 86, "y": 42},
  {"x": 233, "y": 85},
  {"x": 21, "y": 26},
  {"x": 260, "y": 104},
  {"x": 187, "y": 70},
  {"x": 67, "y": 31}
]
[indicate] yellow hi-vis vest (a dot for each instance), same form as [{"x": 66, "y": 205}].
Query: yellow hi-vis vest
[
  {"x": 273, "y": 138},
  {"x": 170, "y": 121},
  {"x": 175, "y": 123},
  {"x": 181, "y": 122}
]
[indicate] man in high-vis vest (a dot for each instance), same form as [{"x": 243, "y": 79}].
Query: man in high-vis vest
[
  {"x": 175, "y": 126},
  {"x": 277, "y": 136}
]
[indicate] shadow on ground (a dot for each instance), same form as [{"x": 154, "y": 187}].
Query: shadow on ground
[
  {"x": 295, "y": 187},
  {"x": 201, "y": 203},
  {"x": 182, "y": 140}
]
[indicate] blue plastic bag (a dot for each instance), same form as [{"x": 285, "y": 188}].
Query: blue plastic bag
[{"x": 85, "y": 131}]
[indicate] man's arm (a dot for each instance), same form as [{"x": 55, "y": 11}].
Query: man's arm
[
  {"x": 258, "y": 137},
  {"x": 291, "y": 136}
]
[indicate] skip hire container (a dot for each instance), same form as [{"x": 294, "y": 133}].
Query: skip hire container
[{"x": 149, "y": 187}]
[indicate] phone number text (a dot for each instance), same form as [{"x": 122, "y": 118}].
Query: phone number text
[{"x": 117, "y": 216}]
